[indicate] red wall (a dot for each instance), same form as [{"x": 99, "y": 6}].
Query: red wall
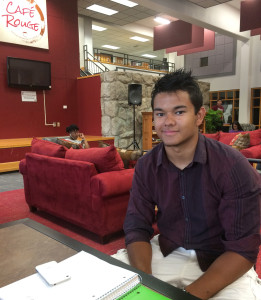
[
  {"x": 89, "y": 107},
  {"x": 26, "y": 119}
]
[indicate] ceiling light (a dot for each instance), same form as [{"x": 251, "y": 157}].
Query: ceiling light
[
  {"x": 110, "y": 47},
  {"x": 98, "y": 28},
  {"x": 126, "y": 2},
  {"x": 149, "y": 55},
  {"x": 161, "y": 20},
  {"x": 138, "y": 38},
  {"x": 102, "y": 9}
]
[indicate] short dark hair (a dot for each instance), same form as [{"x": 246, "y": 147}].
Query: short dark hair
[
  {"x": 179, "y": 80},
  {"x": 71, "y": 128}
]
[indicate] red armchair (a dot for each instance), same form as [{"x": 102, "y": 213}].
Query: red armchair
[{"x": 72, "y": 189}]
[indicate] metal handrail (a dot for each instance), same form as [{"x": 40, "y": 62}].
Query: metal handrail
[
  {"x": 127, "y": 59},
  {"x": 91, "y": 64}
]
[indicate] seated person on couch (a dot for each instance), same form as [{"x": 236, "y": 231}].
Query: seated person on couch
[
  {"x": 208, "y": 212},
  {"x": 76, "y": 137}
]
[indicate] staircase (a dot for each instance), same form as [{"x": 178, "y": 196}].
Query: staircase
[{"x": 91, "y": 64}]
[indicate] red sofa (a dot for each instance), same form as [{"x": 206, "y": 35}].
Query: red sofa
[
  {"x": 254, "y": 149},
  {"x": 87, "y": 187}
]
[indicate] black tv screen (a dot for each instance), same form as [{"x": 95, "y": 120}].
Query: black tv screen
[{"x": 26, "y": 73}]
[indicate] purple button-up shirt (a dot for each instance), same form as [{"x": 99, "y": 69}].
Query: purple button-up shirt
[{"x": 211, "y": 206}]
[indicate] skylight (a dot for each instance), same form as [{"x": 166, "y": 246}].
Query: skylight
[
  {"x": 98, "y": 28},
  {"x": 162, "y": 20},
  {"x": 102, "y": 9},
  {"x": 149, "y": 55},
  {"x": 110, "y": 47},
  {"x": 138, "y": 38},
  {"x": 126, "y": 2}
]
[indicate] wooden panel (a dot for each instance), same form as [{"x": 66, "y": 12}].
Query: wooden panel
[
  {"x": 250, "y": 12},
  {"x": 9, "y": 166},
  {"x": 197, "y": 40},
  {"x": 166, "y": 36},
  {"x": 146, "y": 130}
]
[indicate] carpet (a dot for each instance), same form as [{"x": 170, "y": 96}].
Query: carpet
[{"x": 13, "y": 207}]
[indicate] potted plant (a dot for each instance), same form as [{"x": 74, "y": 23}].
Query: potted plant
[{"x": 214, "y": 120}]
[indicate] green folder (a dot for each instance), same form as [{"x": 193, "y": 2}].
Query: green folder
[{"x": 144, "y": 293}]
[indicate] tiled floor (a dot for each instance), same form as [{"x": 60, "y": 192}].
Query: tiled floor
[{"x": 11, "y": 181}]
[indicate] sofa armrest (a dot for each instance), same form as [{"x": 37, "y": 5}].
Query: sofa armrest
[
  {"x": 252, "y": 152},
  {"x": 108, "y": 184},
  {"x": 22, "y": 167}
]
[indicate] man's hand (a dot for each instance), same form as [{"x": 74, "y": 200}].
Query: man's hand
[
  {"x": 227, "y": 268},
  {"x": 81, "y": 136},
  {"x": 140, "y": 255}
]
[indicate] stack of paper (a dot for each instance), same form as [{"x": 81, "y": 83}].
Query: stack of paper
[{"x": 91, "y": 279}]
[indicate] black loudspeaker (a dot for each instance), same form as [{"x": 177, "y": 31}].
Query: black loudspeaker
[{"x": 134, "y": 94}]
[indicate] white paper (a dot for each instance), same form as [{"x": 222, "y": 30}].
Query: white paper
[
  {"x": 28, "y": 96},
  {"x": 91, "y": 279}
]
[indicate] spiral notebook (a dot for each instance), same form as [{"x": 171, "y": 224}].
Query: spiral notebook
[
  {"x": 91, "y": 279},
  {"x": 141, "y": 292}
]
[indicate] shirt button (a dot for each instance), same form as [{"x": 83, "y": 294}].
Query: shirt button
[
  {"x": 183, "y": 197},
  {"x": 186, "y": 219}
]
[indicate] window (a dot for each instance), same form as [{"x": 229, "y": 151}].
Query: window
[
  {"x": 203, "y": 61},
  {"x": 255, "y": 111},
  {"x": 230, "y": 102}
]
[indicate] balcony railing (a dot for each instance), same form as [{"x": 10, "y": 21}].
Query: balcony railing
[{"x": 122, "y": 59}]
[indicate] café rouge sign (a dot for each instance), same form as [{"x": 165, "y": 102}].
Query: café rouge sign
[{"x": 24, "y": 18}]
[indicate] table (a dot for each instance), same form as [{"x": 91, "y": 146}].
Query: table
[{"x": 26, "y": 243}]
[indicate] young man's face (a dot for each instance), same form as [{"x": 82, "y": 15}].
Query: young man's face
[
  {"x": 74, "y": 134},
  {"x": 174, "y": 118},
  {"x": 219, "y": 103}
]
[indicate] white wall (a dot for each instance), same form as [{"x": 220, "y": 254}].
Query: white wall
[
  {"x": 247, "y": 76},
  {"x": 256, "y": 62},
  {"x": 85, "y": 36}
]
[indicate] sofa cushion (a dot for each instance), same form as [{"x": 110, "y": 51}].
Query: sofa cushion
[
  {"x": 68, "y": 144},
  {"x": 240, "y": 141},
  {"x": 252, "y": 152},
  {"x": 47, "y": 148},
  {"x": 105, "y": 159},
  {"x": 213, "y": 136},
  {"x": 226, "y": 137},
  {"x": 255, "y": 137},
  {"x": 129, "y": 157}
]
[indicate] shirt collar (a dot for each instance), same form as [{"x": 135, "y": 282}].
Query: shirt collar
[{"x": 200, "y": 155}]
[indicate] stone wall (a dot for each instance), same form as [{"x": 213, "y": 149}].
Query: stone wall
[{"x": 117, "y": 114}]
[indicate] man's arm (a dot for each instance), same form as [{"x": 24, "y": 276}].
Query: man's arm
[
  {"x": 140, "y": 256},
  {"x": 224, "y": 270},
  {"x": 85, "y": 144}
]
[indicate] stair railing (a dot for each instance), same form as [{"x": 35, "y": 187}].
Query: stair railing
[{"x": 91, "y": 64}]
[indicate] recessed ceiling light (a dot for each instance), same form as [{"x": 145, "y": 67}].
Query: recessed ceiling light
[
  {"x": 102, "y": 9},
  {"x": 126, "y": 2},
  {"x": 110, "y": 47},
  {"x": 162, "y": 20},
  {"x": 138, "y": 38},
  {"x": 98, "y": 28},
  {"x": 149, "y": 55}
]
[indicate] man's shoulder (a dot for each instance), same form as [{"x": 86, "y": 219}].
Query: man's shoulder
[
  {"x": 223, "y": 153},
  {"x": 151, "y": 157}
]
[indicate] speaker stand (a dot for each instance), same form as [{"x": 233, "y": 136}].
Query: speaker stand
[{"x": 134, "y": 143}]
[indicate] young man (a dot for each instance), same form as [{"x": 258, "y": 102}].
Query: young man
[
  {"x": 208, "y": 200},
  {"x": 75, "y": 135},
  {"x": 219, "y": 106}
]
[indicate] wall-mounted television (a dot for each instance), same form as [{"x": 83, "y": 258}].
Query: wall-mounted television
[{"x": 28, "y": 74}]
